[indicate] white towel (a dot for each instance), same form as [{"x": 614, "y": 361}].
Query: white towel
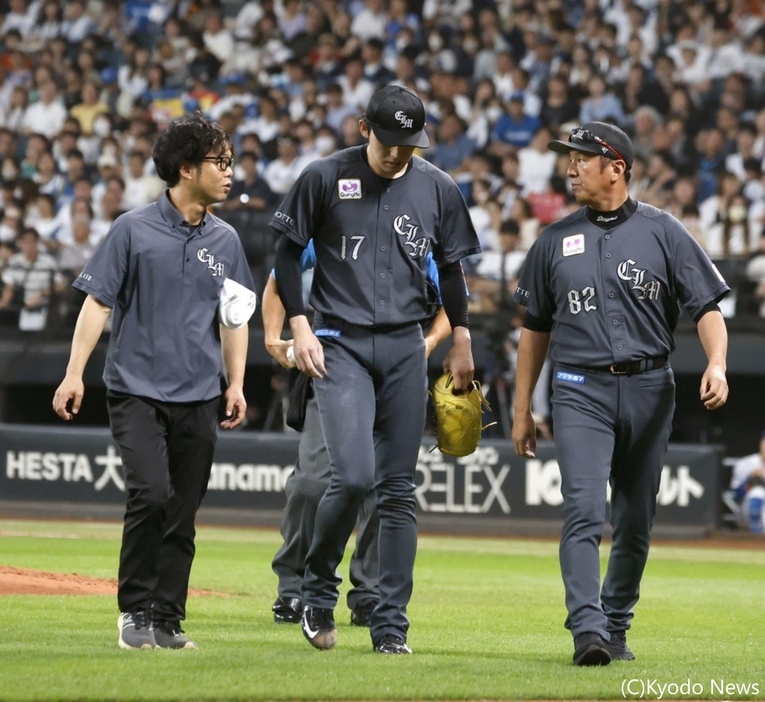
[{"x": 236, "y": 304}]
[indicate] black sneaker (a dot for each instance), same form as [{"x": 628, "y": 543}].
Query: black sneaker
[
  {"x": 287, "y": 610},
  {"x": 136, "y": 630},
  {"x": 390, "y": 643},
  {"x": 170, "y": 635},
  {"x": 618, "y": 647},
  {"x": 319, "y": 627},
  {"x": 591, "y": 649},
  {"x": 361, "y": 614}
]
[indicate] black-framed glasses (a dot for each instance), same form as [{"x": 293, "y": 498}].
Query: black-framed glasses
[
  {"x": 585, "y": 136},
  {"x": 222, "y": 162}
]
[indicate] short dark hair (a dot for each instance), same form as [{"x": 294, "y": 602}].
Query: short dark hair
[
  {"x": 186, "y": 140},
  {"x": 510, "y": 226}
]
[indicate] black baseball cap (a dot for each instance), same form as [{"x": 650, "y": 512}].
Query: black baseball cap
[
  {"x": 397, "y": 117},
  {"x": 597, "y": 138}
]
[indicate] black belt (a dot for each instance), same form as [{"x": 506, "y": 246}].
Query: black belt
[
  {"x": 321, "y": 321},
  {"x": 634, "y": 367}
]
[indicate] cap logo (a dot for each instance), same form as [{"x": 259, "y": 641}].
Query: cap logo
[{"x": 404, "y": 120}]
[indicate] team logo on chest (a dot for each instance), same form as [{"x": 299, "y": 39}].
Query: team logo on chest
[
  {"x": 649, "y": 290},
  {"x": 209, "y": 259},
  {"x": 418, "y": 246},
  {"x": 349, "y": 189},
  {"x": 573, "y": 245}
]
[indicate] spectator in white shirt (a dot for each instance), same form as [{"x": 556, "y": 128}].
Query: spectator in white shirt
[
  {"x": 77, "y": 23},
  {"x": 371, "y": 21},
  {"x": 218, "y": 40},
  {"x": 20, "y": 18},
  {"x": 140, "y": 188},
  {"x": 35, "y": 274},
  {"x": 284, "y": 170},
  {"x": 14, "y": 115},
  {"x": 47, "y": 115},
  {"x": 357, "y": 90},
  {"x": 725, "y": 55},
  {"x": 266, "y": 124},
  {"x": 536, "y": 163},
  {"x": 41, "y": 216},
  {"x": 73, "y": 256},
  {"x": 292, "y": 20},
  {"x": 753, "y": 63},
  {"x": 47, "y": 25}
]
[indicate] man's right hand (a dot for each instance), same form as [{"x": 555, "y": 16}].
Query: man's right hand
[
  {"x": 524, "y": 434},
  {"x": 308, "y": 350},
  {"x": 278, "y": 349}
]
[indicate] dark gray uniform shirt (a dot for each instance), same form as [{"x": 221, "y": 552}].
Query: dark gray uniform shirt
[
  {"x": 162, "y": 277},
  {"x": 612, "y": 295},
  {"x": 372, "y": 235}
]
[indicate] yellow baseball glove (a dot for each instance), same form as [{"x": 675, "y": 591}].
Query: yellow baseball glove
[{"x": 458, "y": 416}]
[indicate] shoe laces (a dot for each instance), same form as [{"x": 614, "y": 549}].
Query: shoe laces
[
  {"x": 141, "y": 619},
  {"x": 172, "y": 629},
  {"x": 619, "y": 637},
  {"x": 393, "y": 639},
  {"x": 322, "y": 618}
]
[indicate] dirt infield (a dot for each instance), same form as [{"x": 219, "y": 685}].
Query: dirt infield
[{"x": 23, "y": 581}]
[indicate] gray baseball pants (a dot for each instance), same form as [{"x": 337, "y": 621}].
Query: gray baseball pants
[
  {"x": 609, "y": 430},
  {"x": 304, "y": 490},
  {"x": 372, "y": 403}
]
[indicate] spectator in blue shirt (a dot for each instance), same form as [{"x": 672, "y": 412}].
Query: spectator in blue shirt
[
  {"x": 602, "y": 105},
  {"x": 515, "y": 128},
  {"x": 453, "y": 145}
]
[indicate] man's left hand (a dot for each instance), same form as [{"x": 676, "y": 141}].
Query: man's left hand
[{"x": 236, "y": 406}]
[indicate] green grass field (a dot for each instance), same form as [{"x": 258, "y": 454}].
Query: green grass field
[{"x": 486, "y": 623}]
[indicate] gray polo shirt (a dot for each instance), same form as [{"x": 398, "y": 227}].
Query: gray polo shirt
[{"x": 161, "y": 277}]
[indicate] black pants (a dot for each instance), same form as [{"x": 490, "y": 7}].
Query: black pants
[{"x": 167, "y": 451}]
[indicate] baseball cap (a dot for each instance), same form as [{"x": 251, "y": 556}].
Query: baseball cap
[
  {"x": 597, "y": 138},
  {"x": 397, "y": 117}
]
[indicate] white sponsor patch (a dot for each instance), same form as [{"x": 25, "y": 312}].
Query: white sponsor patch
[
  {"x": 349, "y": 189},
  {"x": 573, "y": 245}
]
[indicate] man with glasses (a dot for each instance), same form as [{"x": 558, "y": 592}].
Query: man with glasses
[
  {"x": 604, "y": 285},
  {"x": 160, "y": 271}
]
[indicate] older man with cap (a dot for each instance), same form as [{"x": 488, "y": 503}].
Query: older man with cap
[
  {"x": 374, "y": 212},
  {"x": 604, "y": 285}
]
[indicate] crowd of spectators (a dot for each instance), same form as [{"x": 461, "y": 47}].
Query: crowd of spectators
[{"x": 84, "y": 86}]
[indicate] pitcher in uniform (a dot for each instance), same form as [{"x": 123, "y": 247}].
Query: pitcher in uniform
[
  {"x": 603, "y": 284},
  {"x": 374, "y": 212}
]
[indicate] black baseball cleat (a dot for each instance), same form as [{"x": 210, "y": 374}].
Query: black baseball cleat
[
  {"x": 591, "y": 649},
  {"x": 287, "y": 610},
  {"x": 319, "y": 627},
  {"x": 618, "y": 647},
  {"x": 361, "y": 614},
  {"x": 390, "y": 643}
]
